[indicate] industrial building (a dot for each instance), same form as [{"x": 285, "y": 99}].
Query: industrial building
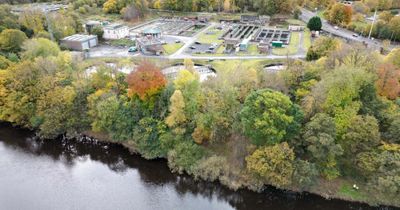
[
  {"x": 79, "y": 42},
  {"x": 115, "y": 31}
]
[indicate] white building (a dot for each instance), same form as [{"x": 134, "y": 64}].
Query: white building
[{"x": 115, "y": 31}]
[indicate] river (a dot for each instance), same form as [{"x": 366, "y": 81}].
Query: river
[{"x": 86, "y": 174}]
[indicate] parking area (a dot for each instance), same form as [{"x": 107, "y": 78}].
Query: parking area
[{"x": 202, "y": 48}]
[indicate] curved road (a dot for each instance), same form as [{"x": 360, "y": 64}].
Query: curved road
[{"x": 306, "y": 15}]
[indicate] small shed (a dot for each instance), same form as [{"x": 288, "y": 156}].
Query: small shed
[
  {"x": 244, "y": 44},
  {"x": 79, "y": 42},
  {"x": 296, "y": 28},
  {"x": 263, "y": 47},
  {"x": 91, "y": 24},
  {"x": 277, "y": 44}
]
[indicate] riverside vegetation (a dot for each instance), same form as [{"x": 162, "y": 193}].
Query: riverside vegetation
[{"x": 320, "y": 125}]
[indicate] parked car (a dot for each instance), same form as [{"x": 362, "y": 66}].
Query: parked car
[
  {"x": 196, "y": 42},
  {"x": 337, "y": 28},
  {"x": 177, "y": 41},
  {"x": 192, "y": 47},
  {"x": 355, "y": 35},
  {"x": 132, "y": 49}
]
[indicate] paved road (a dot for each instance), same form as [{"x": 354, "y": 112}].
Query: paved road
[{"x": 343, "y": 33}]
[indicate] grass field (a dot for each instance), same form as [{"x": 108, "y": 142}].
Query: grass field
[
  {"x": 172, "y": 48},
  {"x": 348, "y": 191},
  {"x": 211, "y": 38},
  {"x": 251, "y": 50},
  {"x": 295, "y": 22},
  {"x": 307, "y": 39},
  {"x": 292, "y": 48}
]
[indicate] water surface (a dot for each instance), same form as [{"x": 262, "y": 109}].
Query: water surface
[{"x": 68, "y": 174}]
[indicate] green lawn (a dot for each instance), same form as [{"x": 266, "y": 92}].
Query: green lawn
[
  {"x": 211, "y": 38},
  {"x": 251, "y": 50},
  {"x": 172, "y": 48},
  {"x": 348, "y": 191},
  {"x": 295, "y": 22},
  {"x": 307, "y": 39},
  {"x": 292, "y": 48}
]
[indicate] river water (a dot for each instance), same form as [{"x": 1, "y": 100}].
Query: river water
[{"x": 65, "y": 174}]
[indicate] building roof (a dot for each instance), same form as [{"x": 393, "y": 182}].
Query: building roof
[
  {"x": 79, "y": 37},
  {"x": 93, "y": 22},
  {"x": 114, "y": 26},
  {"x": 154, "y": 30}
]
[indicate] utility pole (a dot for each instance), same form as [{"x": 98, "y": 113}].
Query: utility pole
[{"x": 372, "y": 26}]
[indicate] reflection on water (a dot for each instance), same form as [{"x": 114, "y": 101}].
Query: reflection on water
[{"x": 86, "y": 174}]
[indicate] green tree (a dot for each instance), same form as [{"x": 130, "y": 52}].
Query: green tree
[
  {"x": 314, "y": 24},
  {"x": 11, "y": 40},
  {"x": 184, "y": 157},
  {"x": 98, "y": 31},
  {"x": 39, "y": 47},
  {"x": 4, "y": 62},
  {"x": 274, "y": 164},
  {"x": 305, "y": 174},
  {"x": 268, "y": 117},
  {"x": 319, "y": 135}
]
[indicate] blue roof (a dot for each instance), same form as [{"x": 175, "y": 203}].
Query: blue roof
[{"x": 152, "y": 31}]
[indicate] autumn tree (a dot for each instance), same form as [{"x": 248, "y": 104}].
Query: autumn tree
[
  {"x": 146, "y": 81},
  {"x": 274, "y": 164},
  {"x": 111, "y": 6},
  {"x": 11, "y": 40},
  {"x": 177, "y": 110},
  {"x": 39, "y": 47},
  {"x": 388, "y": 83},
  {"x": 340, "y": 14},
  {"x": 269, "y": 116}
]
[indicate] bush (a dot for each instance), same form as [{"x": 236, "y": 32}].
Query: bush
[
  {"x": 185, "y": 157},
  {"x": 211, "y": 168}
]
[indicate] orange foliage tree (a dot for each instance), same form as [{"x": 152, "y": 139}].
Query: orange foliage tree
[
  {"x": 146, "y": 81},
  {"x": 388, "y": 84}
]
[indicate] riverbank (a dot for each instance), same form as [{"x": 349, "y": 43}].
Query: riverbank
[{"x": 326, "y": 189}]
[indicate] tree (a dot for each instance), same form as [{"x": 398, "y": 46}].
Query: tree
[
  {"x": 267, "y": 117},
  {"x": 393, "y": 132},
  {"x": 227, "y": 5},
  {"x": 11, "y": 40},
  {"x": 305, "y": 174},
  {"x": 184, "y": 157},
  {"x": 146, "y": 82},
  {"x": 362, "y": 136},
  {"x": 271, "y": 7},
  {"x": 321, "y": 47},
  {"x": 314, "y": 24},
  {"x": 319, "y": 135},
  {"x": 111, "y": 6},
  {"x": 273, "y": 164},
  {"x": 54, "y": 110},
  {"x": 4, "y": 62},
  {"x": 39, "y": 47},
  {"x": 340, "y": 14},
  {"x": 98, "y": 31},
  {"x": 32, "y": 20},
  {"x": 393, "y": 57},
  {"x": 388, "y": 83},
  {"x": 177, "y": 110}
]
